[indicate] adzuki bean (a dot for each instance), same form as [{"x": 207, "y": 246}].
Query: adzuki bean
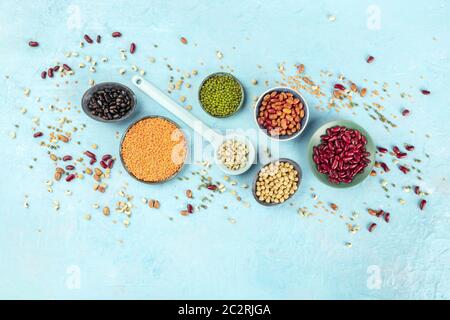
[{"x": 342, "y": 154}]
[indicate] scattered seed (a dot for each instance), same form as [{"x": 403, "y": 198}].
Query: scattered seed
[{"x": 106, "y": 211}]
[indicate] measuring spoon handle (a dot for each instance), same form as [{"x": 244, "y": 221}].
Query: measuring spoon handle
[{"x": 177, "y": 110}]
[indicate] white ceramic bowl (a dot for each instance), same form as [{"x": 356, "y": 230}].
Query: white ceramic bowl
[
  {"x": 251, "y": 154},
  {"x": 303, "y": 122}
]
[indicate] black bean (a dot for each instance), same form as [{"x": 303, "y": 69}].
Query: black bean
[{"x": 110, "y": 103}]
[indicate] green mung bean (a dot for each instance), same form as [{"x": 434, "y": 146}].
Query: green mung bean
[{"x": 221, "y": 95}]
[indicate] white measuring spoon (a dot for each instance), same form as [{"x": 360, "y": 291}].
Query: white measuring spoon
[{"x": 216, "y": 139}]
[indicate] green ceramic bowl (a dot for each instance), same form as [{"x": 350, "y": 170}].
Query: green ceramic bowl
[{"x": 316, "y": 140}]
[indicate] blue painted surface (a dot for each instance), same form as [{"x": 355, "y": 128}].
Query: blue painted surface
[{"x": 267, "y": 253}]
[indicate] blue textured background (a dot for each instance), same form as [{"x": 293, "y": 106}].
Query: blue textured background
[{"x": 267, "y": 253}]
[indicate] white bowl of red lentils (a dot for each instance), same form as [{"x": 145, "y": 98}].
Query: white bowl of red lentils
[{"x": 281, "y": 113}]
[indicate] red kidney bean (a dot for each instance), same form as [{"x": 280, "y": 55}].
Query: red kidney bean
[
  {"x": 70, "y": 167},
  {"x": 50, "y": 73},
  {"x": 66, "y": 67},
  {"x": 425, "y": 92},
  {"x": 403, "y": 169},
  {"x": 92, "y": 161},
  {"x": 55, "y": 68},
  {"x": 99, "y": 38},
  {"x": 212, "y": 187},
  {"x": 116, "y": 34},
  {"x": 370, "y": 59},
  {"x": 339, "y": 86},
  {"x": 110, "y": 163},
  {"x": 380, "y": 213},
  {"x": 90, "y": 154},
  {"x": 67, "y": 158},
  {"x": 44, "y": 74},
  {"x": 33, "y": 44},
  {"x": 372, "y": 227},
  {"x": 417, "y": 190},
  {"x": 190, "y": 208},
  {"x": 382, "y": 150},
  {"x": 38, "y": 134},
  {"x": 384, "y": 166},
  {"x": 103, "y": 164},
  {"x": 341, "y": 154},
  {"x": 132, "y": 48},
  {"x": 88, "y": 39},
  {"x": 406, "y": 112},
  {"x": 409, "y": 147},
  {"x": 396, "y": 150},
  {"x": 422, "y": 204},
  {"x": 401, "y": 155},
  {"x": 70, "y": 177},
  {"x": 387, "y": 217},
  {"x": 106, "y": 157}
]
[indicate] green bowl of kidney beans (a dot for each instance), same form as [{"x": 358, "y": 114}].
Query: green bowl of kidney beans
[
  {"x": 221, "y": 94},
  {"x": 109, "y": 102},
  {"x": 341, "y": 154}
]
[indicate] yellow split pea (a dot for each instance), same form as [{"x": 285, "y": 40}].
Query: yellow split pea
[{"x": 154, "y": 149}]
